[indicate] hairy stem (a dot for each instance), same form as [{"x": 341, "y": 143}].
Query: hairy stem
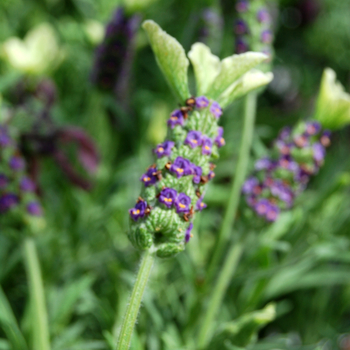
[
  {"x": 235, "y": 192},
  {"x": 39, "y": 321},
  {"x": 217, "y": 296},
  {"x": 135, "y": 301}
]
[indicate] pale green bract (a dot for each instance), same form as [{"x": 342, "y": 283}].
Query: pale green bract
[
  {"x": 223, "y": 80},
  {"x": 171, "y": 58},
  {"x": 333, "y": 103}
]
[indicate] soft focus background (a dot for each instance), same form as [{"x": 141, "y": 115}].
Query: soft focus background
[{"x": 47, "y": 85}]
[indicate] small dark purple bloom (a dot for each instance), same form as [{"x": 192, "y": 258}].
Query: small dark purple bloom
[
  {"x": 150, "y": 177},
  {"x": 263, "y": 163},
  {"x": 202, "y": 102},
  {"x": 197, "y": 172},
  {"x": 285, "y": 133},
  {"x": 164, "y": 149},
  {"x": 289, "y": 164},
  {"x": 240, "y": 27},
  {"x": 326, "y": 138},
  {"x": 167, "y": 196},
  {"x": 211, "y": 175},
  {"x": 219, "y": 140},
  {"x": 272, "y": 213},
  {"x": 182, "y": 203},
  {"x": 176, "y": 118},
  {"x": 241, "y": 45},
  {"x": 200, "y": 205},
  {"x": 242, "y": 5},
  {"x": 319, "y": 152},
  {"x": 3, "y": 181},
  {"x": 181, "y": 167},
  {"x": 139, "y": 210},
  {"x": 17, "y": 163},
  {"x": 27, "y": 185},
  {"x": 207, "y": 145},
  {"x": 216, "y": 110},
  {"x": 34, "y": 208},
  {"x": 313, "y": 128},
  {"x": 5, "y": 139},
  {"x": 262, "y": 206},
  {"x": 8, "y": 201},
  {"x": 249, "y": 185},
  {"x": 188, "y": 234},
  {"x": 263, "y": 16},
  {"x": 266, "y": 37},
  {"x": 194, "y": 139}
]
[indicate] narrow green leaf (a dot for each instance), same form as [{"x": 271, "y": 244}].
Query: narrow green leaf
[
  {"x": 9, "y": 324},
  {"x": 171, "y": 59},
  {"x": 232, "y": 68},
  {"x": 206, "y": 66},
  {"x": 250, "y": 81}
]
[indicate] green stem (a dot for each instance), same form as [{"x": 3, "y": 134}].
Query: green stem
[
  {"x": 135, "y": 301},
  {"x": 218, "y": 294},
  {"x": 241, "y": 172},
  {"x": 36, "y": 290}
]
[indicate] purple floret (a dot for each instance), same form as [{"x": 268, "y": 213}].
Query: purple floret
[
  {"x": 263, "y": 163},
  {"x": 5, "y": 139},
  {"x": 197, "y": 172},
  {"x": 249, "y": 185},
  {"x": 167, "y": 196},
  {"x": 242, "y": 6},
  {"x": 27, "y": 185},
  {"x": 176, "y": 118},
  {"x": 207, "y": 145},
  {"x": 188, "y": 232},
  {"x": 17, "y": 163},
  {"x": 263, "y": 16},
  {"x": 182, "y": 203},
  {"x": 202, "y": 102},
  {"x": 216, "y": 110},
  {"x": 240, "y": 27},
  {"x": 139, "y": 210},
  {"x": 319, "y": 152},
  {"x": 262, "y": 206},
  {"x": 150, "y": 177},
  {"x": 272, "y": 213},
  {"x": 3, "y": 181},
  {"x": 194, "y": 139},
  {"x": 164, "y": 149},
  {"x": 219, "y": 140},
  {"x": 181, "y": 167},
  {"x": 200, "y": 205},
  {"x": 8, "y": 201},
  {"x": 313, "y": 128},
  {"x": 34, "y": 208},
  {"x": 241, "y": 46},
  {"x": 266, "y": 37}
]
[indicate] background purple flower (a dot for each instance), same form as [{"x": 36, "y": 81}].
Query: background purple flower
[{"x": 34, "y": 208}]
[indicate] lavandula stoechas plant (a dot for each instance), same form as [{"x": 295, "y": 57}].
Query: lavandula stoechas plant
[
  {"x": 173, "y": 187},
  {"x": 253, "y": 27},
  {"x": 17, "y": 189},
  {"x": 113, "y": 57},
  {"x": 298, "y": 154}
]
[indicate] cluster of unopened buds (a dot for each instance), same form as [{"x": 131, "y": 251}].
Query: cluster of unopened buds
[
  {"x": 17, "y": 190},
  {"x": 298, "y": 154},
  {"x": 253, "y": 27},
  {"x": 174, "y": 186}
]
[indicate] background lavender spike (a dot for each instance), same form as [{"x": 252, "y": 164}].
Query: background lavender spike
[{"x": 297, "y": 155}]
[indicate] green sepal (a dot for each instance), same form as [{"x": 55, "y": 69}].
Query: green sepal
[
  {"x": 168, "y": 250},
  {"x": 171, "y": 59},
  {"x": 149, "y": 193},
  {"x": 140, "y": 235},
  {"x": 161, "y": 162}
]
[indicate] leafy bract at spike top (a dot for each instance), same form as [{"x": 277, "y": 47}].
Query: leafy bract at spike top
[
  {"x": 171, "y": 59},
  {"x": 174, "y": 186},
  {"x": 228, "y": 79}
]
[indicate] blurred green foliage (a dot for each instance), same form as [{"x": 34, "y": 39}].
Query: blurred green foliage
[{"x": 301, "y": 263}]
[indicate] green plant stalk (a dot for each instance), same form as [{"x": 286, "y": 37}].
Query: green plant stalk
[
  {"x": 135, "y": 301},
  {"x": 241, "y": 172},
  {"x": 39, "y": 320},
  {"x": 220, "y": 288}
]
